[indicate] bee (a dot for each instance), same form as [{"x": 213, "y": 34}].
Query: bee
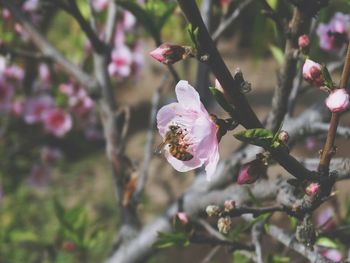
[{"x": 173, "y": 139}]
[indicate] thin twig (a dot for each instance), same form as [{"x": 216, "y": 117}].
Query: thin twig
[
  {"x": 227, "y": 22},
  {"x": 148, "y": 150},
  {"x": 22, "y": 54},
  {"x": 257, "y": 231},
  {"x": 327, "y": 151}
]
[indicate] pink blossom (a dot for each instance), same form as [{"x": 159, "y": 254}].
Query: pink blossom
[
  {"x": 128, "y": 21},
  {"x": 67, "y": 88},
  {"x": 333, "y": 254},
  {"x": 120, "y": 65},
  {"x": 100, "y": 5},
  {"x": 138, "y": 59},
  {"x": 312, "y": 72},
  {"x": 14, "y": 72},
  {"x": 6, "y": 14},
  {"x": 80, "y": 102},
  {"x": 312, "y": 189},
  {"x": 17, "y": 107},
  {"x": 338, "y": 100},
  {"x": 335, "y": 34},
  {"x": 30, "y": 5},
  {"x": 182, "y": 216},
  {"x": 44, "y": 74},
  {"x": 303, "y": 41},
  {"x": 6, "y": 94},
  {"x": 57, "y": 122},
  {"x": 36, "y": 107},
  {"x": 251, "y": 171},
  {"x": 325, "y": 220},
  {"x": 168, "y": 53},
  {"x": 195, "y": 130}
]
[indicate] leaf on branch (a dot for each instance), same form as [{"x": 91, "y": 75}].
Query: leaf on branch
[
  {"x": 219, "y": 97},
  {"x": 327, "y": 77},
  {"x": 277, "y": 259},
  {"x": 277, "y": 54},
  {"x": 194, "y": 33},
  {"x": 260, "y": 137},
  {"x": 326, "y": 242},
  {"x": 167, "y": 240},
  {"x": 238, "y": 257}
]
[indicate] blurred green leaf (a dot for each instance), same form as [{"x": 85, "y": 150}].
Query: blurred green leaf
[
  {"x": 167, "y": 240},
  {"x": 326, "y": 242},
  {"x": 278, "y": 54},
  {"x": 277, "y": 259},
  {"x": 143, "y": 16},
  {"x": 327, "y": 77},
  {"x": 167, "y": 14},
  {"x": 23, "y": 235},
  {"x": 237, "y": 257}
]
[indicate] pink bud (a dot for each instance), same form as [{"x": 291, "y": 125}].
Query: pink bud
[
  {"x": 250, "y": 172},
  {"x": 312, "y": 72},
  {"x": 303, "y": 41},
  {"x": 168, "y": 53},
  {"x": 312, "y": 189},
  {"x": 338, "y": 100},
  {"x": 182, "y": 216},
  {"x": 333, "y": 254}
]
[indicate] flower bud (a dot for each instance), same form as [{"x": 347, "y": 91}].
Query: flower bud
[
  {"x": 338, "y": 100},
  {"x": 250, "y": 172},
  {"x": 169, "y": 54},
  {"x": 229, "y": 205},
  {"x": 212, "y": 210},
  {"x": 312, "y": 72},
  {"x": 312, "y": 189},
  {"x": 303, "y": 41},
  {"x": 283, "y": 136},
  {"x": 183, "y": 218},
  {"x": 224, "y": 225}
]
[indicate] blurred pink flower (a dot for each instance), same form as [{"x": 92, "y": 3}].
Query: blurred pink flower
[
  {"x": 120, "y": 66},
  {"x": 6, "y": 14},
  {"x": 251, "y": 171},
  {"x": 335, "y": 34},
  {"x": 338, "y": 100},
  {"x": 325, "y": 220},
  {"x": 17, "y": 107},
  {"x": 50, "y": 155},
  {"x": 14, "y": 72},
  {"x": 197, "y": 132},
  {"x": 57, "y": 122},
  {"x": 78, "y": 99},
  {"x": 30, "y": 5},
  {"x": 128, "y": 21},
  {"x": 312, "y": 72},
  {"x": 333, "y": 254},
  {"x": 67, "y": 88},
  {"x": 6, "y": 94},
  {"x": 138, "y": 59},
  {"x": 100, "y": 5},
  {"x": 44, "y": 74},
  {"x": 36, "y": 107}
]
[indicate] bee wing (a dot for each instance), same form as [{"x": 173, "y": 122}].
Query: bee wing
[{"x": 159, "y": 148}]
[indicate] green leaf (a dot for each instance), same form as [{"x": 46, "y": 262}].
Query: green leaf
[
  {"x": 260, "y": 137},
  {"x": 277, "y": 54},
  {"x": 219, "y": 97},
  {"x": 277, "y": 259},
  {"x": 148, "y": 21},
  {"x": 194, "y": 33},
  {"x": 326, "y": 242},
  {"x": 167, "y": 14},
  {"x": 167, "y": 240},
  {"x": 327, "y": 77},
  {"x": 239, "y": 258},
  {"x": 23, "y": 236}
]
